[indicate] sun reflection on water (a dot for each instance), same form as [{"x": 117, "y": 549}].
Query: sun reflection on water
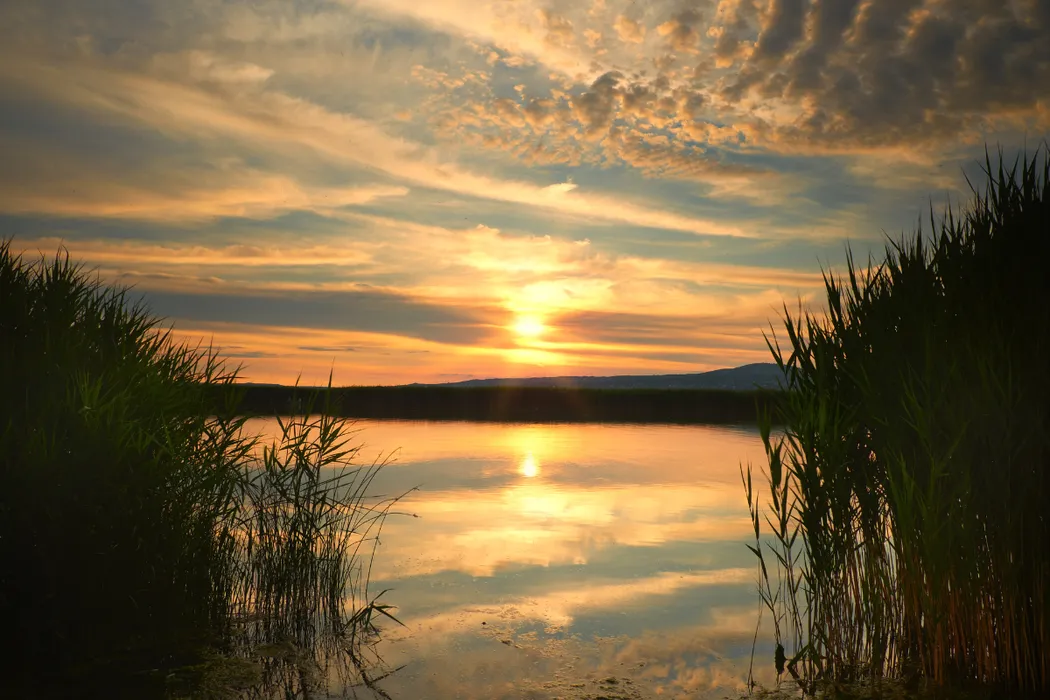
[
  {"x": 619, "y": 548},
  {"x": 529, "y": 467}
]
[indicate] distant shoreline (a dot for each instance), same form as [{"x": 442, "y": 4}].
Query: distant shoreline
[{"x": 516, "y": 404}]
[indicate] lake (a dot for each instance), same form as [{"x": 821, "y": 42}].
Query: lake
[{"x": 566, "y": 560}]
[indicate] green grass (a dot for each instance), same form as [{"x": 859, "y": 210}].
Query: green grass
[
  {"x": 904, "y": 533},
  {"x": 139, "y": 525}
]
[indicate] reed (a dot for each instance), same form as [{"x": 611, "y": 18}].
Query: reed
[
  {"x": 308, "y": 529},
  {"x": 140, "y": 525},
  {"x": 904, "y": 531}
]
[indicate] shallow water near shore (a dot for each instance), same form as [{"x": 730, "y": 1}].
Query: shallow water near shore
[{"x": 565, "y": 560}]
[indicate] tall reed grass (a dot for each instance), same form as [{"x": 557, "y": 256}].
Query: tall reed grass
[
  {"x": 905, "y": 530},
  {"x": 139, "y": 521}
]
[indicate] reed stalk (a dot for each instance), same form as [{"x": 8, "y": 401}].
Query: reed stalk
[
  {"x": 139, "y": 523},
  {"x": 905, "y": 530}
]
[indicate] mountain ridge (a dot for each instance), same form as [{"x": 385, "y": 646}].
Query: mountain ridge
[{"x": 764, "y": 375}]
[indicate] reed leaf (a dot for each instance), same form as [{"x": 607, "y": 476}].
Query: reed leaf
[{"x": 914, "y": 456}]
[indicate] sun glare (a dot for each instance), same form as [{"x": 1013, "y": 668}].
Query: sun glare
[{"x": 529, "y": 326}]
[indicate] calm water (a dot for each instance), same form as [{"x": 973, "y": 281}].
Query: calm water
[{"x": 566, "y": 561}]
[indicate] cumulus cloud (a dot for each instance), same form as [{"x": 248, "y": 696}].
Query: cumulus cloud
[
  {"x": 681, "y": 31},
  {"x": 871, "y": 74},
  {"x": 842, "y": 75},
  {"x": 658, "y": 129},
  {"x": 730, "y": 29},
  {"x": 629, "y": 30},
  {"x": 594, "y": 108},
  {"x": 559, "y": 29},
  {"x": 660, "y": 157},
  {"x": 781, "y": 29},
  {"x": 830, "y": 20}
]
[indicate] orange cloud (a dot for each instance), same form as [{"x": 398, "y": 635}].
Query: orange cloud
[{"x": 629, "y": 30}]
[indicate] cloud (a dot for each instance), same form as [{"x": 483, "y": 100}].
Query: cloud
[
  {"x": 207, "y": 67},
  {"x": 271, "y": 149},
  {"x": 147, "y": 255},
  {"x": 366, "y": 310},
  {"x": 402, "y": 282},
  {"x": 567, "y": 522},
  {"x": 559, "y": 29},
  {"x": 658, "y": 131},
  {"x": 681, "y": 32},
  {"x": 328, "y": 348},
  {"x": 274, "y": 123},
  {"x": 781, "y": 29},
  {"x": 594, "y": 39},
  {"x": 595, "y": 107},
  {"x": 730, "y": 27},
  {"x": 228, "y": 188},
  {"x": 657, "y": 156},
  {"x": 379, "y": 358},
  {"x": 539, "y": 112},
  {"x": 831, "y": 19},
  {"x": 629, "y": 30},
  {"x": 876, "y": 74},
  {"x": 519, "y": 28}
]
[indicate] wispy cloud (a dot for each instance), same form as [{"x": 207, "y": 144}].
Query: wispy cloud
[{"x": 653, "y": 180}]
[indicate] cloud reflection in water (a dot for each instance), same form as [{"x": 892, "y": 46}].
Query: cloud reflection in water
[{"x": 550, "y": 558}]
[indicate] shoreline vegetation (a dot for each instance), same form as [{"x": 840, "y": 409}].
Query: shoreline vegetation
[
  {"x": 150, "y": 546},
  {"x": 522, "y": 404},
  {"x": 901, "y": 527}
]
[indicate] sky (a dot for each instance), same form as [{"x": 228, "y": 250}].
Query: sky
[{"x": 404, "y": 190}]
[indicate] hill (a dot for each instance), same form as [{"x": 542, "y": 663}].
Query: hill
[{"x": 764, "y": 375}]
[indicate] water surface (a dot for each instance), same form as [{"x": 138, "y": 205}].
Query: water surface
[{"x": 566, "y": 561}]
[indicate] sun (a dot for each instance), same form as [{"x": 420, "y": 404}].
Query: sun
[{"x": 529, "y": 326}]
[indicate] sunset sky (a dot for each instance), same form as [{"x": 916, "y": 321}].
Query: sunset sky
[{"x": 434, "y": 190}]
